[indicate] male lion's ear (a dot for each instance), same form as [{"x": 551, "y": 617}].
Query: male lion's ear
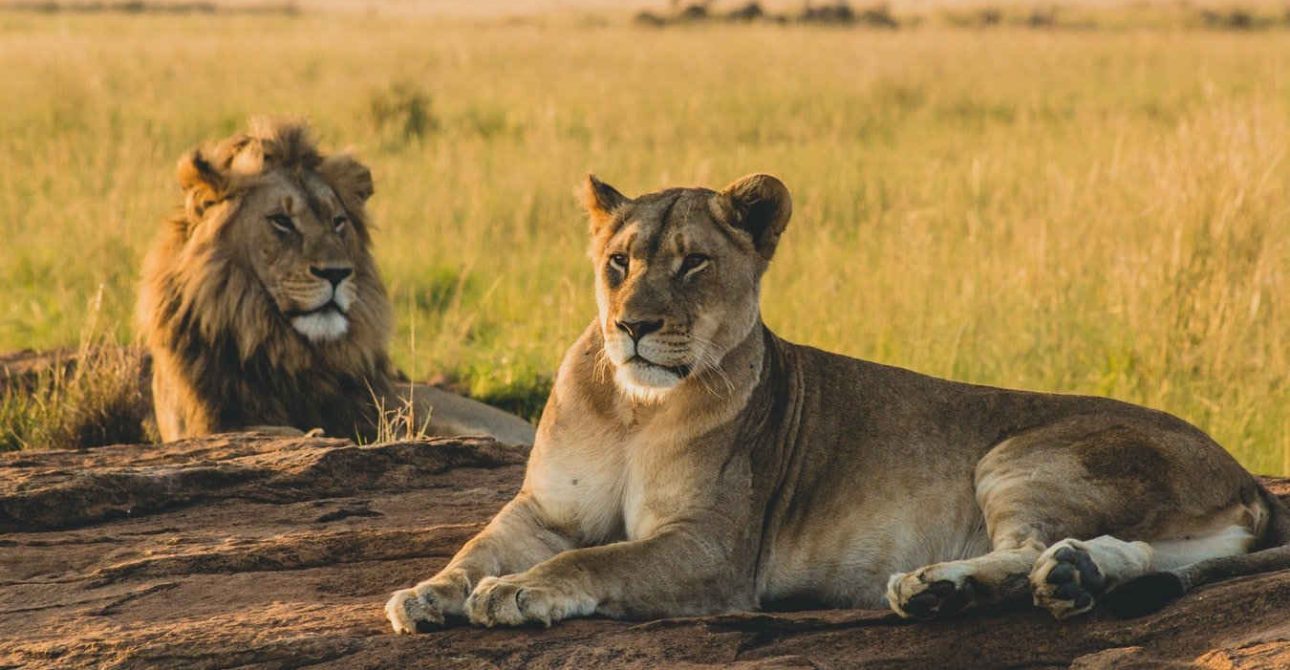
[
  {"x": 203, "y": 184},
  {"x": 601, "y": 201},
  {"x": 350, "y": 179},
  {"x": 759, "y": 204}
]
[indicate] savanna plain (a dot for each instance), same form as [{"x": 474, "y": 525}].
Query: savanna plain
[{"x": 1097, "y": 211}]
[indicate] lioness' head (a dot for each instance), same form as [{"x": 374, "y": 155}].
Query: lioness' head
[
  {"x": 677, "y": 275},
  {"x": 271, "y": 254}
]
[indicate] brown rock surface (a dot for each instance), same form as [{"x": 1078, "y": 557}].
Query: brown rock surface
[{"x": 260, "y": 552}]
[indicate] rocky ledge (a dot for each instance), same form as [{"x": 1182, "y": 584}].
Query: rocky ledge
[{"x": 251, "y": 551}]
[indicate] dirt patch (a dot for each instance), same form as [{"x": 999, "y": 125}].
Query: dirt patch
[{"x": 248, "y": 550}]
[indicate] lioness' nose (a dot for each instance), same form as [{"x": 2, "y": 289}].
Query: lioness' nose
[
  {"x": 333, "y": 275},
  {"x": 638, "y": 329}
]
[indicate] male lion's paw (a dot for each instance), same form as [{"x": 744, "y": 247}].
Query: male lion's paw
[
  {"x": 932, "y": 591},
  {"x": 409, "y": 613},
  {"x": 1066, "y": 580},
  {"x": 516, "y": 600}
]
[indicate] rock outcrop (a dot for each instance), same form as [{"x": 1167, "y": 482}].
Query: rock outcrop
[{"x": 246, "y": 550}]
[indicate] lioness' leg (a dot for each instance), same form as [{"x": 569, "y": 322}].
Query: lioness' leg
[
  {"x": 1142, "y": 478},
  {"x": 945, "y": 588},
  {"x": 1023, "y": 514},
  {"x": 513, "y": 541},
  {"x": 1072, "y": 575},
  {"x": 634, "y": 579}
]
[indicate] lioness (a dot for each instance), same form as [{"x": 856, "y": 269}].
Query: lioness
[
  {"x": 262, "y": 305},
  {"x": 689, "y": 462}
]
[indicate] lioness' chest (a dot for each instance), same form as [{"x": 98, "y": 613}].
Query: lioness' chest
[{"x": 611, "y": 484}]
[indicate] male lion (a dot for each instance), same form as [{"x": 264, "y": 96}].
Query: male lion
[
  {"x": 689, "y": 462},
  {"x": 261, "y": 302}
]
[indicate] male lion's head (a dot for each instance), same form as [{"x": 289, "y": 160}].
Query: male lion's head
[
  {"x": 272, "y": 252},
  {"x": 677, "y": 275}
]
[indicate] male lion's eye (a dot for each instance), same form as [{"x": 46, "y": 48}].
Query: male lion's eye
[
  {"x": 338, "y": 223},
  {"x": 618, "y": 262},
  {"x": 282, "y": 223},
  {"x": 693, "y": 262}
]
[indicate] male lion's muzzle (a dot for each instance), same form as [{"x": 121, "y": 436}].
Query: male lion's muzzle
[{"x": 323, "y": 305}]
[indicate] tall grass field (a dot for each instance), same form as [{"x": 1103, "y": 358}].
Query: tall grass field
[{"x": 1100, "y": 211}]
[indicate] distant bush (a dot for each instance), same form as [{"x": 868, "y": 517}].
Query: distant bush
[
  {"x": 693, "y": 12},
  {"x": 839, "y": 12},
  {"x": 990, "y": 16},
  {"x": 403, "y": 109},
  {"x": 148, "y": 7},
  {"x": 1042, "y": 17},
  {"x": 648, "y": 18},
  {"x": 1038, "y": 16},
  {"x": 749, "y": 12},
  {"x": 878, "y": 16},
  {"x": 1236, "y": 18}
]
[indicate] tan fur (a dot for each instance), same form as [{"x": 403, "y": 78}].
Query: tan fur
[
  {"x": 262, "y": 305},
  {"x": 689, "y": 461}
]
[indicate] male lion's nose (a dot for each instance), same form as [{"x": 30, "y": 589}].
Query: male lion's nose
[
  {"x": 638, "y": 329},
  {"x": 333, "y": 275}
]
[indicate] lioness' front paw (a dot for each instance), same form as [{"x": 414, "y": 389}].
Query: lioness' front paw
[
  {"x": 515, "y": 600},
  {"x": 410, "y": 613},
  {"x": 1066, "y": 580},
  {"x": 936, "y": 590},
  {"x": 425, "y": 607}
]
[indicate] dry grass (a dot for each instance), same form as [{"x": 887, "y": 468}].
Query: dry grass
[
  {"x": 92, "y": 397},
  {"x": 1084, "y": 211},
  {"x": 399, "y": 421}
]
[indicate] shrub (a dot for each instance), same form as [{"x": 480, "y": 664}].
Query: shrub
[{"x": 402, "y": 109}]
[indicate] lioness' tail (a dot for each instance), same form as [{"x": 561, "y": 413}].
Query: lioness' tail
[{"x": 1152, "y": 591}]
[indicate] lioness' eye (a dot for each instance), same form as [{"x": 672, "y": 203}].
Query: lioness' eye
[
  {"x": 282, "y": 223},
  {"x": 338, "y": 223},
  {"x": 693, "y": 262},
  {"x": 618, "y": 262}
]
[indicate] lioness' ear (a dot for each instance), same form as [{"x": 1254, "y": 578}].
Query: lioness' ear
[
  {"x": 350, "y": 179},
  {"x": 601, "y": 201},
  {"x": 203, "y": 184},
  {"x": 759, "y": 204}
]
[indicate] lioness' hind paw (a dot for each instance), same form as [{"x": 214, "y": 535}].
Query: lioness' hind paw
[
  {"x": 1066, "y": 581},
  {"x": 929, "y": 592}
]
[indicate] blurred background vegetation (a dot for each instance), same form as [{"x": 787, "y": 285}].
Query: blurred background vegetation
[{"x": 1093, "y": 203}]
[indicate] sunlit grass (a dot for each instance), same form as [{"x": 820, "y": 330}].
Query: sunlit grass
[{"x": 1083, "y": 211}]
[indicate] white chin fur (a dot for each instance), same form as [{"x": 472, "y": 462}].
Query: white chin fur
[
  {"x": 321, "y": 327},
  {"x": 645, "y": 383}
]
